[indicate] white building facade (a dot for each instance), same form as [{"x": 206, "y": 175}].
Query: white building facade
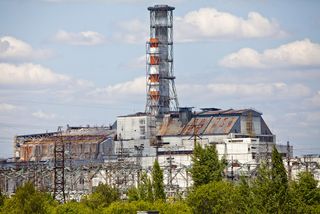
[{"x": 240, "y": 136}]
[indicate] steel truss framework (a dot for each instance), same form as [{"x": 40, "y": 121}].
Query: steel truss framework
[
  {"x": 58, "y": 191},
  {"x": 123, "y": 174},
  {"x": 161, "y": 30}
]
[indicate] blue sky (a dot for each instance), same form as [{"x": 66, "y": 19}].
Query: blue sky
[{"x": 82, "y": 62}]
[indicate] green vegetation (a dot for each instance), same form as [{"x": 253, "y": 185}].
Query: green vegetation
[
  {"x": 144, "y": 190},
  {"x": 148, "y": 190},
  {"x": 28, "y": 200},
  {"x": 269, "y": 192},
  {"x": 157, "y": 182},
  {"x": 102, "y": 197},
  {"x": 206, "y": 165}
]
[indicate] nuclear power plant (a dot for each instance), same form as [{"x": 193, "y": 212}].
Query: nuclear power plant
[{"x": 70, "y": 162}]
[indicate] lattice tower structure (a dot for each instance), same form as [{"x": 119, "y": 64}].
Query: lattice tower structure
[
  {"x": 161, "y": 92},
  {"x": 59, "y": 182}
]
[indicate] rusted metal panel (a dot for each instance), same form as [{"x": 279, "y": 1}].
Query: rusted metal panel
[
  {"x": 26, "y": 152},
  {"x": 170, "y": 127},
  {"x": 220, "y": 125},
  {"x": 196, "y": 125}
]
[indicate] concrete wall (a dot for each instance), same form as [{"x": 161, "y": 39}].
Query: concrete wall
[{"x": 135, "y": 127}]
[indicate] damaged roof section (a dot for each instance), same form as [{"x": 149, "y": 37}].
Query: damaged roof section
[
  {"x": 210, "y": 121},
  {"x": 84, "y": 143}
]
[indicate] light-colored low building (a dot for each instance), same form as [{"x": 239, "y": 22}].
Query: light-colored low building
[{"x": 241, "y": 137}]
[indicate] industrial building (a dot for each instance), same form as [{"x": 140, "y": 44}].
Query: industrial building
[
  {"x": 82, "y": 143},
  {"x": 117, "y": 154}
]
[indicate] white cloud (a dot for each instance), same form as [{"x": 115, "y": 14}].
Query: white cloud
[
  {"x": 107, "y": 1},
  {"x": 5, "y": 107},
  {"x": 302, "y": 53},
  {"x": 86, "y": 38},
  {"x": 37, "y": 76},
  {"x": 132, "y": 32},
  {"x": 315, "y": 100},
  {"x": 135, "y": 86},
  {"x": 209, "y": 23},
  {"x": 131, "y": 90},
  {"x": 43, "y": 115},
  {"x": 13, "y": 48},
  {"x": 29, "y": 74},
  {"x": 255, "y": 91},
  {"x": 139, "y": 62},
  {"x": 206, "y": 24}
]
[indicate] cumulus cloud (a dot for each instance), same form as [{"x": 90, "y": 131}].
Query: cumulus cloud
[
  {"x": 86, "y": 38},
  {"x": 133, "y": 31},
  {"x": 259, "y": 90},
  {"x": 135, "y": 86},
  {"x": 138, "y": 62},
  {"x": 43, "y": 115},
  {"x": 13, "y": 48},
  {"x": 5, "y": 107},
  {"x": 303, "y": 53},
  {"x": 209, "y": 23},
  {"x": 130, "y": 90},
  {"x": 135, "y": 90},
  {"x": 29, "y": 74}
]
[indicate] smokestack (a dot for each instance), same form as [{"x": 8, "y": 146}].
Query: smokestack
[{"x": 161, "y": 93}]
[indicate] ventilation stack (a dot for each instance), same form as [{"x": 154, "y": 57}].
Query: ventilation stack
[{"x": 161, "y": 93}]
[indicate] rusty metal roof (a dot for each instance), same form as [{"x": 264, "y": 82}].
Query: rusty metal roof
[
  {"x": 170, "y": 126},
  {"x": 197, "y": 125},
  {"x": 209, "y": 125},
  {"x": 221, "y": 125}
]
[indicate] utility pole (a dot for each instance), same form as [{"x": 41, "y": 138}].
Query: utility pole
[
  {"x": 170, "y": 173},
  {"x": 195, "y": 134},
  {"x": 139, "y": 150},
  {"x": 232, "y": 167},
  {"x": 288, "y": 161},
  {"x": 267, "y": 154}
]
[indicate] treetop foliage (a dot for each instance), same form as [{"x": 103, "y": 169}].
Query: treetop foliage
[
  {"x": 206, "y": 166},
  {"x": 157, "y": 181}
]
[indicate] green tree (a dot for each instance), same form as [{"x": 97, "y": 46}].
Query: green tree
[
  {"x": 134, "y": 206},
  {"x": 247, "y": 199},
  {"x": 305, "y": 194},
  {"x": 150, "y": 194},
  {"x": 2, "y": 199},
  {"x": 157, "y": 181},
  {"x": 215, "y": 197},
  {"x": 121, "y": 207},
  {"x": 28, "y": 200},
  {"x": 279, "y": 180},
  {"x": 271, "y": 188},
  {"x": 103, "y": 196},
  {"x": 133, "y": 194},
  {"x": 206, "y": 166},
  {"x": 306, "y": 189},
  {"x": 143, "y": 191},
  {"x": 73, "y": 208}
]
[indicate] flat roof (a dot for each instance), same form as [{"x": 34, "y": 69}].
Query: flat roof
[{"x": 161, "y": 7}]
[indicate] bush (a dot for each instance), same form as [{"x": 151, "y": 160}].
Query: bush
[
  {"x": 215, "y": 197},
  {"x": 28, "y": 200},
  {"x": 73, "y": 208}
]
